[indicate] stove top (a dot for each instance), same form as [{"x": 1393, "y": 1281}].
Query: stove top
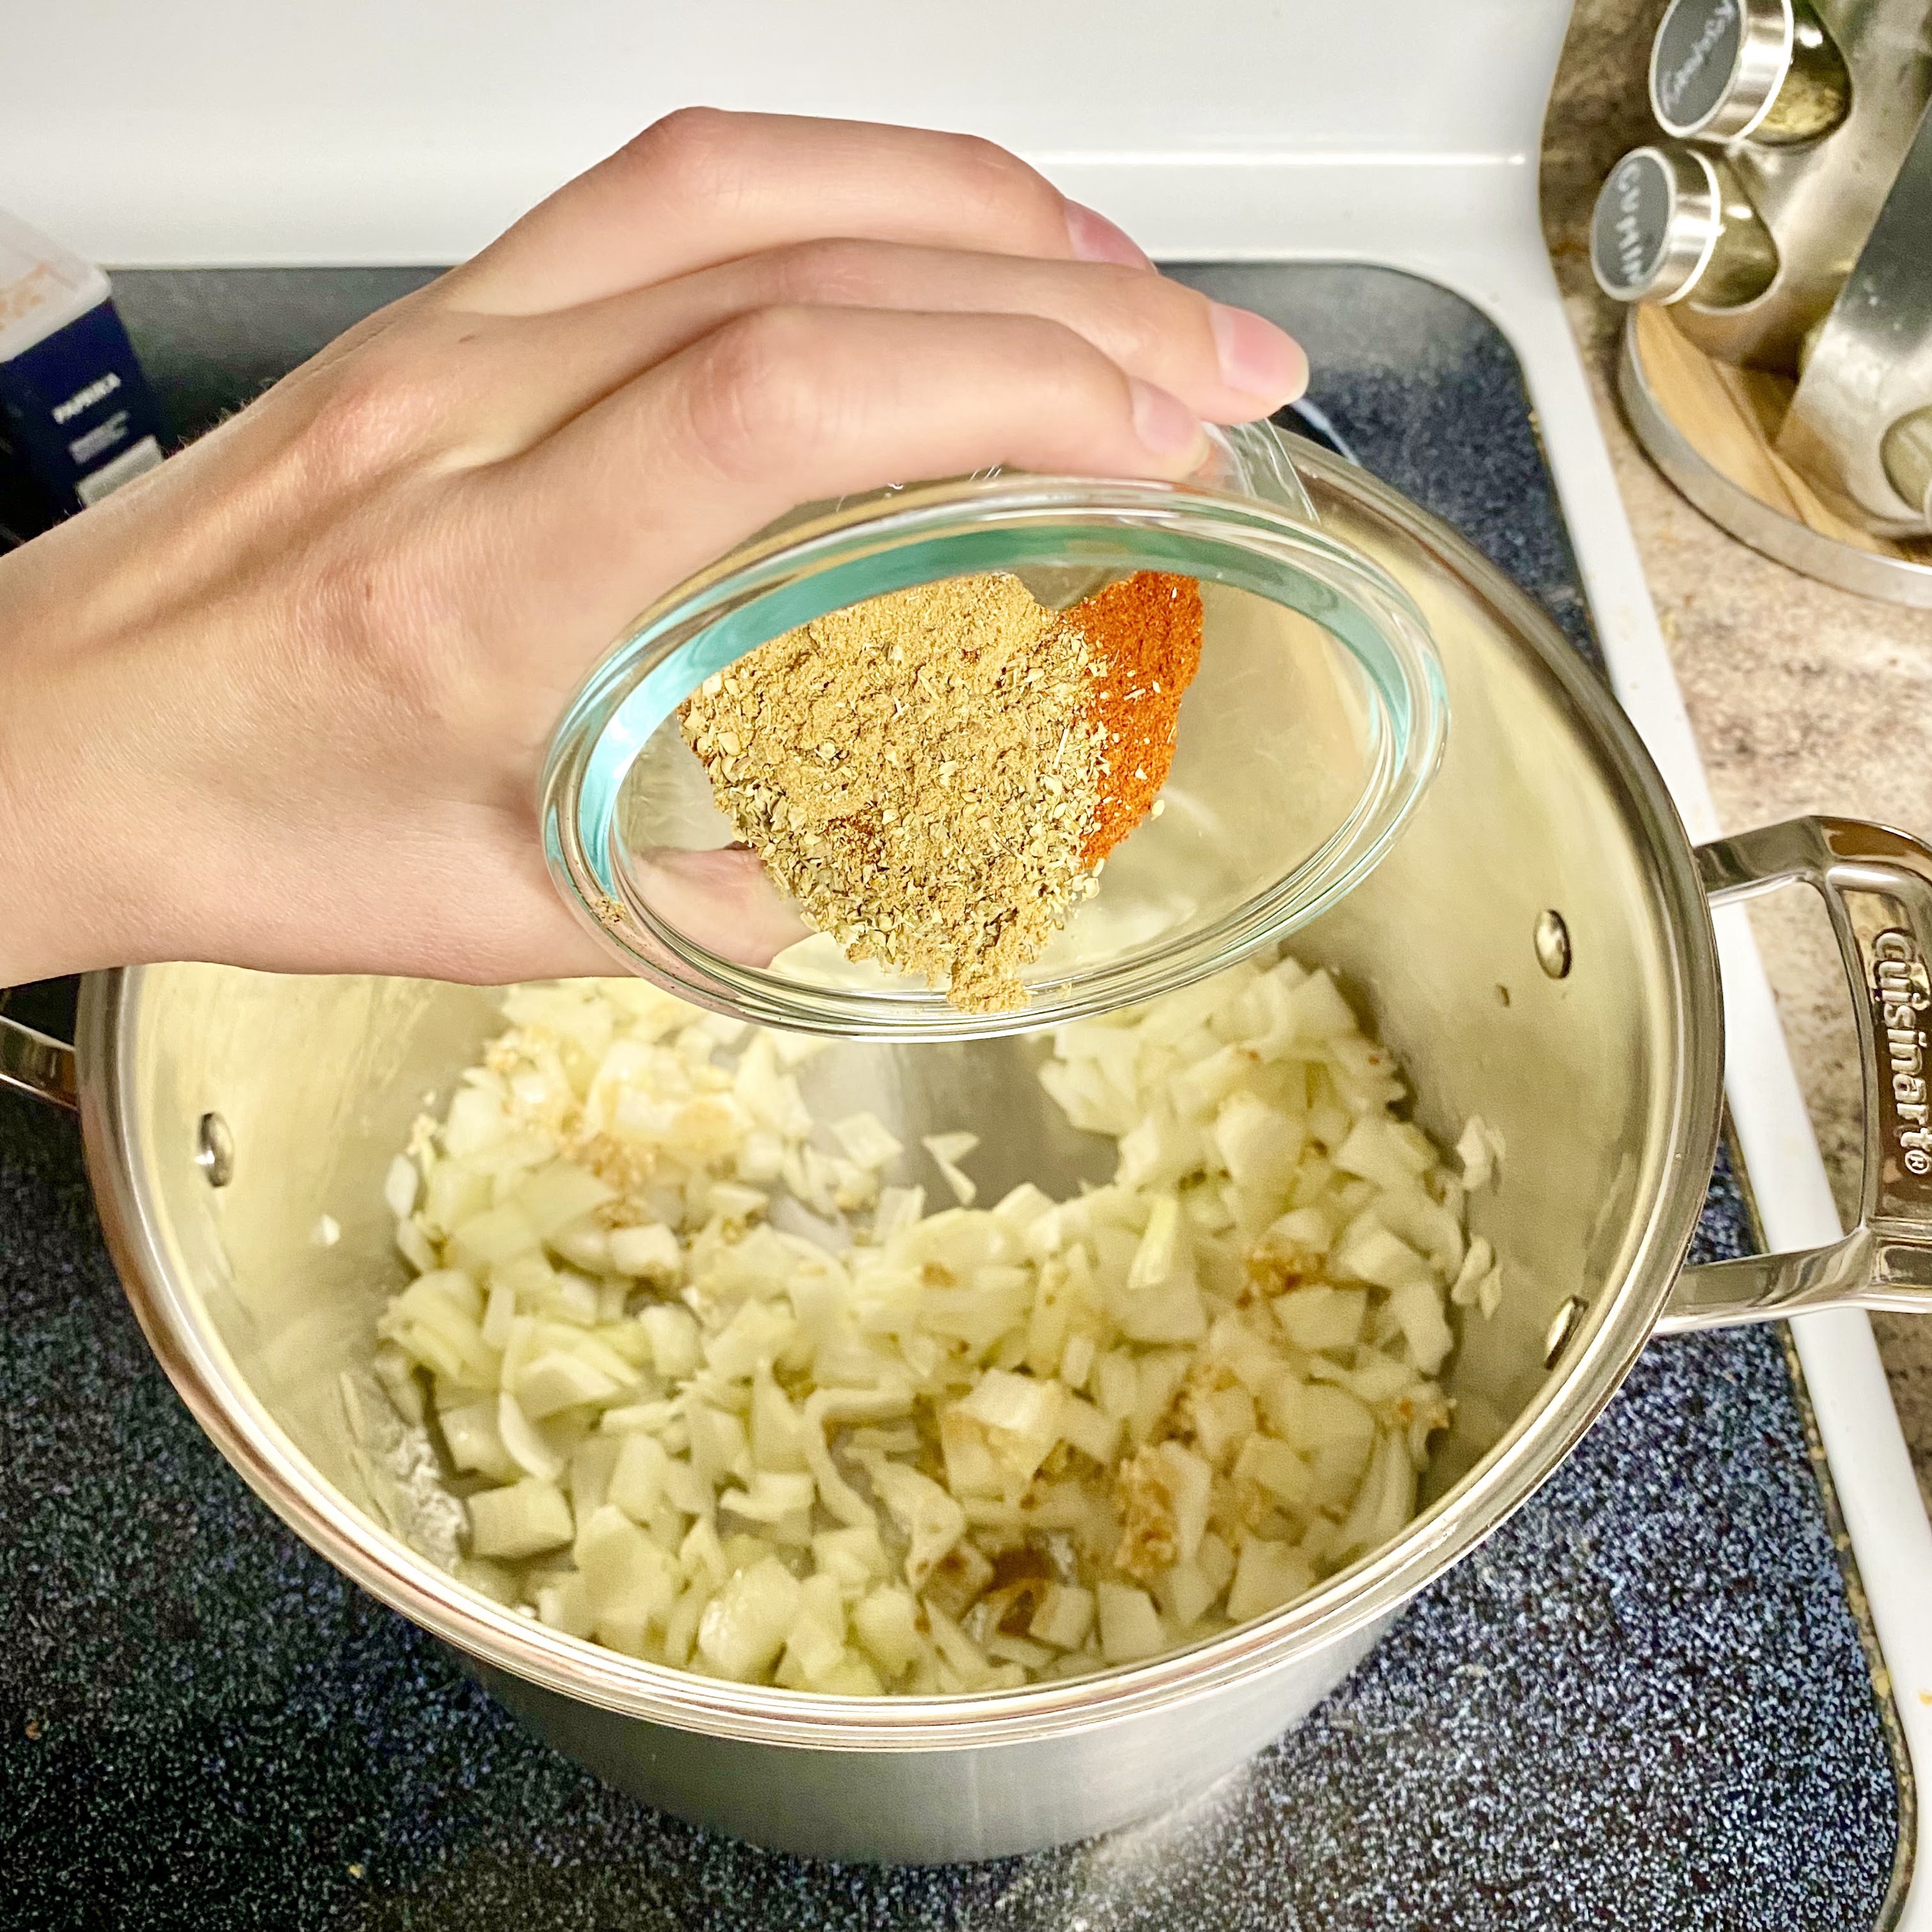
[{"x": 1650, "y": 1700}]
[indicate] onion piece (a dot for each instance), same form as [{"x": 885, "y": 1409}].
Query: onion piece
[
  {"x": 522, "y": 1443},
  {"x": 1129, "y": 1624},
  {"x": 947, "y": 1150},
  {"x": 865, "y": 1141},
  {"x": 519, "y": 1520}
]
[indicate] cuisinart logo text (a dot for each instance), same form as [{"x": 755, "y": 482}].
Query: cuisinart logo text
[
  {"x": 1903, "y": 992},
  {"x": 86, "y": 398}
]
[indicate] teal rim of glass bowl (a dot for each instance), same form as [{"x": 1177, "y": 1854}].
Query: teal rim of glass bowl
[{"x": 920, "y": 535}]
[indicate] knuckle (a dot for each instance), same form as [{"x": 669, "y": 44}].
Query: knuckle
[
  {"x": 1083, "y": 385},
  {"x": 765, "y": 385},
  {"x": 834, "y": 269},
  {"x": 1053, "y": 350},
  {"x": 1149, "y": 316},
  {"x": 689, "y": 147},
  {"x": 1007, "y": 192},
  {"x": 369, "y": 417}
]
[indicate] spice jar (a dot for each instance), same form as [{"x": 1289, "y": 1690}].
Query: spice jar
[
  {"x": 1303, "y": 742},
  {"x": 1674, "y": 224},
  {"x": 1764, "y": 71}
]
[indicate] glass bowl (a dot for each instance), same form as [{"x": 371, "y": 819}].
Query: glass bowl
[{"x": 1314, "y": 724}]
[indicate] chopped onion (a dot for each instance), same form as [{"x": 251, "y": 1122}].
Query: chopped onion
[
  {"x": 975, "y": 1446},
  {"x": 399, "y": 1185},
  {"x": 1266, "y": 1574},
  {"x": 947, "y": 1150},
  {"x": 887, "y": 1622},
  {"x": 470, "y": 1431},
  {"x": 519, "y": 1520},
  {"x": 745, "y": 1626},
  {"x": 1065, "y": 1616},
  {"x": 631, "y": 1582},
  {"x": 651, "y": 1252},
  {"x": 522, "y": 1442},
  {"x": 865, "y": 1141},
  {"x": 1479, "y": 1150},
  {"x": 1129, "y": 1624}
]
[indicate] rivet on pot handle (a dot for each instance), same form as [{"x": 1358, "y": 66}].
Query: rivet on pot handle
[
  {"x": 31, "y": 1063},
  {"x": 1877, "y": 884}
]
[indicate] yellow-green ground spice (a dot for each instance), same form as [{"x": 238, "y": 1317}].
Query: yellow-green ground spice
[{"x": 919, "y": 772}]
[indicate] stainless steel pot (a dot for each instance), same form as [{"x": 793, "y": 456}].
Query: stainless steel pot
[{"x": 1537, "y": 947}]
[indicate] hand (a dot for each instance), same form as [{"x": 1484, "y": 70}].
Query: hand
[{"x": 283, "y": 701}]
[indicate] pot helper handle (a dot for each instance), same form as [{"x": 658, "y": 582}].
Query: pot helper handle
[
  {"x": 1877, "y": 884},
  {"x": 35, "y": 1063}
]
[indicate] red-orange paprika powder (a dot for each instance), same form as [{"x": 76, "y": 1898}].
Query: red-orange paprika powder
[{"x": 1143, "y": 641}]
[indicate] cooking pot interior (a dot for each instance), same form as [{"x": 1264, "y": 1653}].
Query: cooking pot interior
[{"x": 318, "y": 1081}]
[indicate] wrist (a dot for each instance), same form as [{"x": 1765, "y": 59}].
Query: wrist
[{"x": 65, "y": 905}]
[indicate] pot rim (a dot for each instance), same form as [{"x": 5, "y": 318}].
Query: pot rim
[{"x": 1616, "y": 1330}]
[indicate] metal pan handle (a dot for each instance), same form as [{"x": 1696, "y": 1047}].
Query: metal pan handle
[
  {"x": 35, "y": 1063},
  {"x": 1877, "y": 884}
]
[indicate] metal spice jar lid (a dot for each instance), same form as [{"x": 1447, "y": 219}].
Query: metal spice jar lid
[{"x": 898, "y": 769}]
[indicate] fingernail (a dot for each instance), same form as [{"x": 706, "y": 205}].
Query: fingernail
[
  {"x": 1095, "y": 239},
  {"x": 1258, "y": 359},
  {"x": 1165, "y": 425}
]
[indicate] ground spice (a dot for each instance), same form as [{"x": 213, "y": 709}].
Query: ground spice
[
  {"x": 936, "y": 775},
  {"x": 916, "y": 772},
  {"x": 1143, "y": 646}
]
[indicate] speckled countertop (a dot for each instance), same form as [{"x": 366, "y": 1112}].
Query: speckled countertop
[{"x": 1804, "y": 698}]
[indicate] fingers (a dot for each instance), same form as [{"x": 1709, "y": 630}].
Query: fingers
[
  {"x": 700, "y": 186},
  {"x": 723, "y": 899},
  {"x": 522, "y": 378},
  {"x": 787, "y": 406}
]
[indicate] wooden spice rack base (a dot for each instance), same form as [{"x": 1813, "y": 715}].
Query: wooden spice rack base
[{"x": 1710, "y": 426}]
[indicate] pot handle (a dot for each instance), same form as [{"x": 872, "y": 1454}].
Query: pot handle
[
  {"x": 35, "y": 1063},
  {"x": 1877, "y": 884}
]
